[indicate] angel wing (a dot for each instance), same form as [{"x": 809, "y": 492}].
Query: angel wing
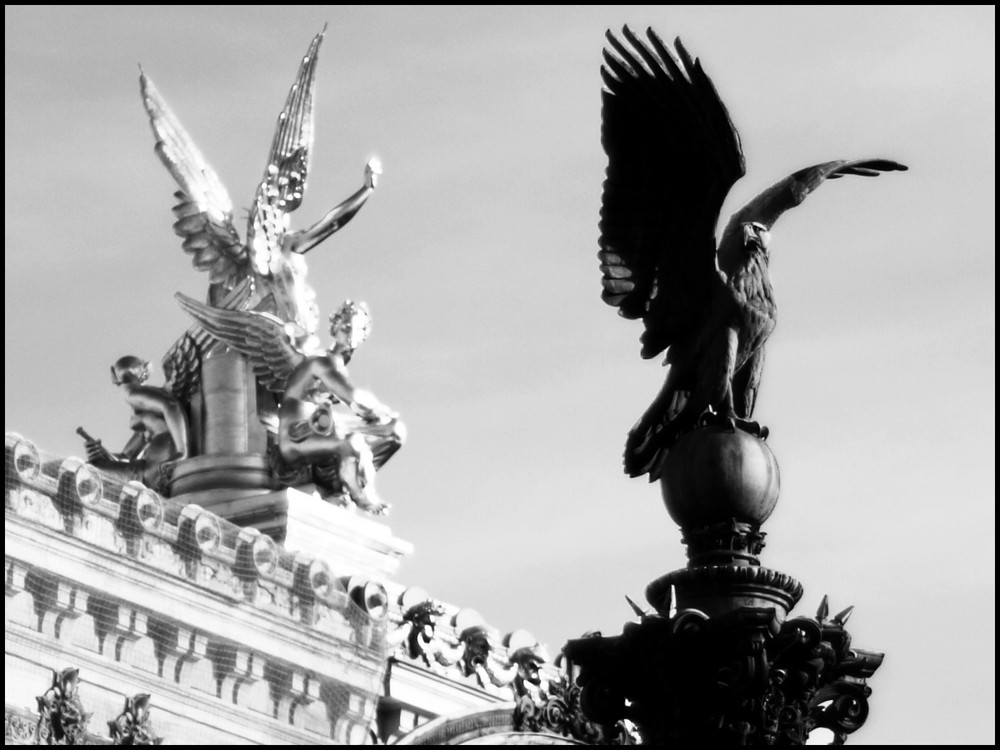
[
  {"x": 281, "y": 190},
  {"x": 276, "y": 253},
  {"x": 673, "y": 155},
  {"x": 182, "y": 367},
  {"x": 182, "y": 362},
  {"x": 262, "y": 337},
  {"x": 204, "y": 211}
]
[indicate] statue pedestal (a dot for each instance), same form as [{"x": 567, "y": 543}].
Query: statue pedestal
[
  {"x": 225, "y": 472},
  {"x": 351, "y": 541}
]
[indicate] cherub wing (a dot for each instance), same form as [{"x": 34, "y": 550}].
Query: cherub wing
[
  {"x": 673, "y": 155},
  {"x": 182, "y": 367},
  {"x": 262, "y": 337},
  {"x": 182, "y": 362},
  {"x": 204, "y": 211},
  {"x": 280, "y": 191}
]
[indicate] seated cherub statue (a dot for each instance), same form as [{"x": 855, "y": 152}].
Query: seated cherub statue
[
  {"x": 159, "y": 428},
  {"x": 329, "y": 431}
]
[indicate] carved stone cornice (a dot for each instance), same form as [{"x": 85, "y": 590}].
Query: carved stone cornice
[
  {"x": 179, "y": 600},
  {"x": 23, "y": 727}
]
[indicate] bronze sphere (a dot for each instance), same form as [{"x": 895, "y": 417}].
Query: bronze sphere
[{"x": 713, "y": 474}]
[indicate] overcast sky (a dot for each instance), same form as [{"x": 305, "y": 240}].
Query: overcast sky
[{"x": 477, "y": 256}]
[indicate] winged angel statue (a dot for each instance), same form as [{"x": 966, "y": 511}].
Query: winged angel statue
[
  {"x": 673, "y": 155},
  {"x": 268, "y": 270},
  {"x": 338, "y": 448},
  {"x": 260, "y": 305}
]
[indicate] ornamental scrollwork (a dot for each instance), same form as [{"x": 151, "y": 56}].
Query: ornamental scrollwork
[{"x": 744, "y": 677}]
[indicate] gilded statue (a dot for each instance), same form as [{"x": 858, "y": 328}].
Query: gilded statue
[
  {"x": 673, "y": 155},
  {"x": 159, "y": 424},
  {"x": 272, "y": 257},
  {"x": 338, "y": 433}
]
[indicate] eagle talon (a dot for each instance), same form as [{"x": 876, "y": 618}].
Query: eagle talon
[
  {"x": 754, "y": 428},
  {"x": 710, "y": 418}
]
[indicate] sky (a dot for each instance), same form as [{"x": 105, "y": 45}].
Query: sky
[{"x": 477, "y": 257}]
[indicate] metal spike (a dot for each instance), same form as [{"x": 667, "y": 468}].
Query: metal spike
[
  {"x": 824, "y": 609},
  {"x": 639, "y": 611},
  {"x": 841, "y": 618}
]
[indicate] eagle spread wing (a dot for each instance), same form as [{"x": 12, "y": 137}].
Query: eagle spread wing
[
  {"x": 790, "y": 192},
  {"x": 262, "y": 337},
  {"x": 673, "y": 155}
]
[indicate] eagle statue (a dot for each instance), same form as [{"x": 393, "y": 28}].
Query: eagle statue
[{"x": 673, "y": 155}]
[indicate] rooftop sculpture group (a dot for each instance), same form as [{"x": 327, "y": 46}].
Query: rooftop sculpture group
[
  {"x": 319, "y": 428},
  {"x": 254, "y": 402}
]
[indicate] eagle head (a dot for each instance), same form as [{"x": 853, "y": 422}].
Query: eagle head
[{"x": 756, "y": 237}]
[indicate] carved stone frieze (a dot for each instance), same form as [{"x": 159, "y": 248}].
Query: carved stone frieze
[{"x": 23, "y": 728}]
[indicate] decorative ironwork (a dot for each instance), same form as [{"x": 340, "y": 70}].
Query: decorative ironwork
[
  {"x": 61, "y": 718},
  {"x": 133, "y": 726},
  {"x": 732, "y": 538},
  {"x": 558, "y": 710},
  {"x": 741, "y": 678}
]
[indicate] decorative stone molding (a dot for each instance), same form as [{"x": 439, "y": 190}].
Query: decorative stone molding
[
  {"x": 182, "y": 541},
  {"x": 173, "y": 598},
  {"x": 62, "y": 721}
]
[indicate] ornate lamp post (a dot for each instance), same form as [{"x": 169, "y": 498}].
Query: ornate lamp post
[{"x": 719, "y": 660}]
